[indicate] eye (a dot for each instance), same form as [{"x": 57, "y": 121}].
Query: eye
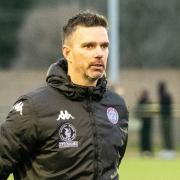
[
  {"x": 105, "y": 45},
  {"x": 89, "y": 46}
]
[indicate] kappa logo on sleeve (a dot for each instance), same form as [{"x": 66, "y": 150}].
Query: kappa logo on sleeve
[{"x": 18, "y": 107}]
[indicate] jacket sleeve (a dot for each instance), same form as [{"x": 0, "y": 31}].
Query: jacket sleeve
[
  {"x": 123, "y": 129},
  {"x": 17, "y": 136}
]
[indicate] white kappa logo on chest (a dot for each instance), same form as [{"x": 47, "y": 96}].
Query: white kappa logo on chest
[{"x": 64, "y": 115}]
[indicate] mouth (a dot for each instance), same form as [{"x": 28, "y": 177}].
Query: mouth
[{"x": 97, "y": 67}]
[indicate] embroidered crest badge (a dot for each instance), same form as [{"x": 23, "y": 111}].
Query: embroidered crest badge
[
  {"x": 112, "y": 115},
  {"x": 67, "y": 134}
]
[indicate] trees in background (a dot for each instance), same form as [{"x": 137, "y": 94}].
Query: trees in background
[
  {"x": 30, "y": 35},
  {"x": 40, "y": 36},
  {"x": 11, "y": 16},
  {"x": 150, "y": 33}
]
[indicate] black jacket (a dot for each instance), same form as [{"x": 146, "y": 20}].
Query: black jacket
[{"x": 64, "y": 131}]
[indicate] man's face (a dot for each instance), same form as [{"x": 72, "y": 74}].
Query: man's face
[{"x": 87, "y": 53}]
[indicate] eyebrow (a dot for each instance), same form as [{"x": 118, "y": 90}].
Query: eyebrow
[
  {"x": 105, "y": 43},
  {"x": 94, "y": 43}
]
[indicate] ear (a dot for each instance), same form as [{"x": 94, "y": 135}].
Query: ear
[{"x": 66, "y": 50}]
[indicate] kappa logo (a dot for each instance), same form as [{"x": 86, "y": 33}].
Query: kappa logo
[
  {"x": 64, "y": 115},
  {"x": 18, "y": 107}
]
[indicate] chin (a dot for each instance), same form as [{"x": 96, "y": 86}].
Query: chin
[{"x": 96, "y": 77}]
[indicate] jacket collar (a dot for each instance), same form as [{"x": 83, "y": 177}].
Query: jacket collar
[{"x": 57, "y": 78}]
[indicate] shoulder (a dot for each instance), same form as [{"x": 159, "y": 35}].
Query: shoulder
[
  {"x": 113, "y": 100},
  {"x": 40, "y": 94},
  {"x": 36, "y": 95},
  {"x": 40, "y": 100},
  {"x": 112, "y": 96}
]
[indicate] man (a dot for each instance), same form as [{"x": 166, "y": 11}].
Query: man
[
  {"x": 166, "y": 117},
  {"x": 144, "y": 114},
  {"x": 73, "y": 128}
]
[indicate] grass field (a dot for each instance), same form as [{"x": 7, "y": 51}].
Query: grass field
[
  {"x": 149, "y": 169},
  {"x": 138, "y": 168}
]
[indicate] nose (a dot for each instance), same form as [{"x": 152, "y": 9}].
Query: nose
[{"x": 99, "y": 52}]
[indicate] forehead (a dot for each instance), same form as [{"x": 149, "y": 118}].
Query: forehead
[{"x": 97, "y": 33}]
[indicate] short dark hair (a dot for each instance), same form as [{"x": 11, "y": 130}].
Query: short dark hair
[{"x": 87, "y": 19}]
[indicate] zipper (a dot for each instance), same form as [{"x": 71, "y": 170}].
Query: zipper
[{"x": 95, "y": 143}]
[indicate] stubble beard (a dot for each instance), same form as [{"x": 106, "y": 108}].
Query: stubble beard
[{"x": 92, "y": 78}]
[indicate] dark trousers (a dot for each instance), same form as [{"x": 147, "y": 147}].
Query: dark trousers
[
  {"x": 167, "y": 134},
  {"x": 145, "y": 135}
]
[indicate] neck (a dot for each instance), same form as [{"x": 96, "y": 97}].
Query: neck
[
  {"x": 77, "y": 77},
  {"x": 82, "y": 82}
]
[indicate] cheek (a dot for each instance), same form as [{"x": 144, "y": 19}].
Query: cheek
[
  {"x": 80, "y": 59},
  {"x": 77, "y": 54},
  {"x": 78, "y": 64},
  {"x": 106, "y": 58}
]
